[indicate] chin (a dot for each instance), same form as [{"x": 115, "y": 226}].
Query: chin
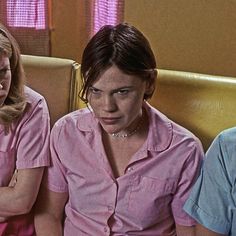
[
  {"x": 2, "y": 101},
  {"x": 110, "y": 130}
]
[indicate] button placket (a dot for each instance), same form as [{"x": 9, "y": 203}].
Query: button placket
[
  {"x": 110, "y": 208},
  {"x": 106, "y": 230}
]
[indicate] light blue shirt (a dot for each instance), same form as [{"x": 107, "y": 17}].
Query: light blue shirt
[{"x": 212, "y": 201}]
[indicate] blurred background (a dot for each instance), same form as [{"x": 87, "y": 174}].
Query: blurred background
[{"x": 186, "y": 35}]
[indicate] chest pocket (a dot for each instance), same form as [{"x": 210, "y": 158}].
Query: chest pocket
[
  {"x": 150, "y": 200},
  {"x": 7, "y": 165}
]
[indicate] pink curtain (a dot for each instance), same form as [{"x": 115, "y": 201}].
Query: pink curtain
[
  {"x": 27, "y": 13},
  {"x": 28, "y": 22},
  {"x": 107, "y": 12}
]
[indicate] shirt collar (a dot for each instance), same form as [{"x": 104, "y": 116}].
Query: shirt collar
[
  {"x": 86, "y": 120},
  {"x": 160, "y": 128},
  {"x": 160, "y": 132}
]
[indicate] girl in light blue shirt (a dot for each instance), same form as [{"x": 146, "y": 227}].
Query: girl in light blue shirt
[{"x": 213, "y": 199}]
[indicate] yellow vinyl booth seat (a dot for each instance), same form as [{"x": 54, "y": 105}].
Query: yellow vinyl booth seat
[
  {"x": 56, "y": 79},
  {"x": 204, "y": 104}
]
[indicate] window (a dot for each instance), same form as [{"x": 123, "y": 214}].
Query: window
[
  {"x": 107, "y": 12},
  {"x": 28, "y": 22},
  {"x": 27, "y": 13}
]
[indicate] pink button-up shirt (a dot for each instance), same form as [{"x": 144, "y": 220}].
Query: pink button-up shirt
[
  {"x": 25, "y": 146},
  {"x": 146, "y": 200}
]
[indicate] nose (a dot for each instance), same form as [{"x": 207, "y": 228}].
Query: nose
[{"x": 109, "y": 103}]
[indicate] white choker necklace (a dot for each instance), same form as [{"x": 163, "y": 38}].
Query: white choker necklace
[{"x": 118, "y": 135}]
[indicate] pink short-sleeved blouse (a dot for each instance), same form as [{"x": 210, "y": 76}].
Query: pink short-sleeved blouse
[
  {"x": 25, "y": 146},
  {"x": 146, "y": 200}
]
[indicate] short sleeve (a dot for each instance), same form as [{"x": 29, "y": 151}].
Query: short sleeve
[
  {"x": 33, "y": 137},
  {"x": 55, "y": 175},
  {"x": 210, "y": 202},
  {"x": 189, "y": 174}
]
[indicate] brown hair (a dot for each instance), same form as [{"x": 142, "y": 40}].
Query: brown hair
[
  {"x": 14, "y": 103},
  {"x": 122, "y": 45}
]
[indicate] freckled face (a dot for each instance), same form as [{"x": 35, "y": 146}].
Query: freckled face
[
  {"x": 5, "y": 77},
  {"x": 116, "y": 99}
]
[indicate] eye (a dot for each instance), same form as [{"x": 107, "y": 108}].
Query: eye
[
  {"x": 123, "y": 91},
  {"x": 3, "y": 72},
  {"x": 94, "y": 90}
]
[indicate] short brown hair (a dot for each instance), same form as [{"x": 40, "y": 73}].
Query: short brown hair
[{"x": 122, "y": 45}]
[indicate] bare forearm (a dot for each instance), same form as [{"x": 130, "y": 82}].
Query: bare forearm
[
  {"x": 49, "y": 212},
  {"x": 11, "y": 203},
  {"x": 46, "y": 224},
  {"x": 185, "y": 230},
  {"x": 19, "y": 197},
  {"x": 7, "y": 200},
  {"x": 201, "y": 230}
]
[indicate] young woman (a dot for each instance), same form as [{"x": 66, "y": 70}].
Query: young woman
[
  {"x": 24, "y": 142},
  {"x": 120, "y": 167}
]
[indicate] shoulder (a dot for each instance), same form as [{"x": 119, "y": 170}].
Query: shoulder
[
  {"x": 223, "y": 148},
  {"x": 227, "y": 137},
  {"x": 34, "y": 102},
  {"x": 81, "y": 119},
  {"x": 32, "y": 97},
  {"x": 220, "y": 158},
  {"x": 171, "y": 133},
  {"x": 36, "y": 107}
]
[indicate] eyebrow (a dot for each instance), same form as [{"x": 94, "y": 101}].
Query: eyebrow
[
  {"x": 5, "y": 66},
  {"x": 115, "y": 90}
]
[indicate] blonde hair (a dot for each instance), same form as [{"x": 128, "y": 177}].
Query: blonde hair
[{"x": 14, "y": 104}]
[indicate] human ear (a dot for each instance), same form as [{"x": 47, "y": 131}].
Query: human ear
[
  {"x": 150, "y": 84},
  {"x": 150, "y": 87}
]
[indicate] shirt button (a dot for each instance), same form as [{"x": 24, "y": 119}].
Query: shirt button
[
  {"x": 110, "y": 208},
  {"x": 130, "y": 169},
  {"x": 105, "y": 229}
]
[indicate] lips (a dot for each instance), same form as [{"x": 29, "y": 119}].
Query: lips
[
  {"x": 2, "y": 93},
  {"x": 109, "y": 120}
]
